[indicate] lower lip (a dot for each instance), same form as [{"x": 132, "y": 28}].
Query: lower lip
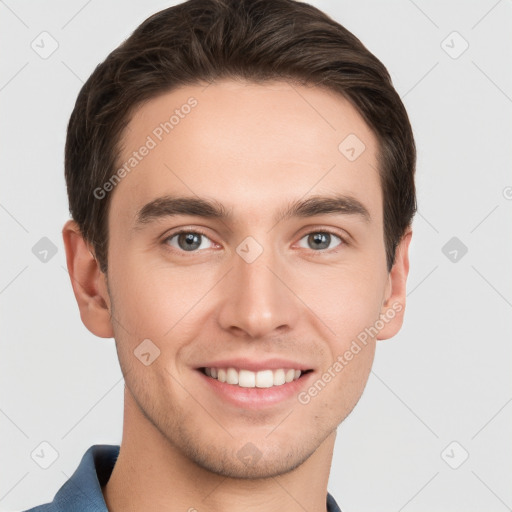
[{"x": 256, "y": 398}]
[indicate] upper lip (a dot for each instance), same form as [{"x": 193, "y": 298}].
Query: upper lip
[{"x": 255, "y": 366}]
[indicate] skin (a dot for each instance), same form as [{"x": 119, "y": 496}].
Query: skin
[{"x": 253, "y": 148}]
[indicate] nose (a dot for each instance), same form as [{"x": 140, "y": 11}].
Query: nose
[{"x": 257, "y": 299}]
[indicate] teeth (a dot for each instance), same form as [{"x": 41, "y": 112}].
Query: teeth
[
  {"x": 249, "y": 379},
  {"x": 265, "y": 379},
  {"x": 232, "y": 376},
  {"x": 279, "y": 377},
  {"x": 246, "y": 379}
]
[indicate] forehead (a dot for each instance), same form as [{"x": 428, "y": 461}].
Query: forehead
[{"x": 248, "y": 146}]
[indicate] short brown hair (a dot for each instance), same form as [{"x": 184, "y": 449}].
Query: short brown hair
[{"x": 257, "y": 40}]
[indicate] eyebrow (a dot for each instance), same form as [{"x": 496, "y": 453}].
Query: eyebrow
[{"x": 169, "y": 206}]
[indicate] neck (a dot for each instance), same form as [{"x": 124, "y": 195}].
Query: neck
[{"x": 151, "y": 470}]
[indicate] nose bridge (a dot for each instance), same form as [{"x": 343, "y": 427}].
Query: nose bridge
[{"x": 256, "y": 301}]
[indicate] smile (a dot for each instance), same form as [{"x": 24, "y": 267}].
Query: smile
[{"x": 249, "y": 379}]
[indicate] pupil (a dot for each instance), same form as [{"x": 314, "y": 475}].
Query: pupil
[
  {"x": 321, "y": 240},
  {"x": 191, "y": 241}
]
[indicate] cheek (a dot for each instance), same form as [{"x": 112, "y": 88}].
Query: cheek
[
  {"x": 345, "y": 299},
  {"x": 158, "y": 301},
  {"x": 338, "y": 387},
  {"x": 139, "y": 292}
]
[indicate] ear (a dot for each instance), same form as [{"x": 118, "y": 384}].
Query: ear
[
  {"x": 393, "y": 306},
  {"x": 88, "y": 282}
]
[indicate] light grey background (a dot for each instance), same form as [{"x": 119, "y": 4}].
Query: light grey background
[{"x": 446, "y": 377}]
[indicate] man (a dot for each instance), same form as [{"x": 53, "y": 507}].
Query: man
[{"x": 241, "y": 181}]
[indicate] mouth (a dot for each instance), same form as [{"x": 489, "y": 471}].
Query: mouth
[{"x": 244, "y": 378}]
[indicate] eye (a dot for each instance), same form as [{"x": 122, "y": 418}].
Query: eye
[
  {"x": 188, "y": 241},
  {"x": 319, "y": 240}
]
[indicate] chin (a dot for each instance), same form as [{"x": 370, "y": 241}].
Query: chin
[{"x": 251, "y": 463}]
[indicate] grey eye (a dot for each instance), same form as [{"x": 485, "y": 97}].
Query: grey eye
[
  {"x": 188, "y": 241},
  {"x": 319, "y": 240}
]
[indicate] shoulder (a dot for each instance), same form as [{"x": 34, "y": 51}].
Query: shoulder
[{"x": 83, "y": 489}]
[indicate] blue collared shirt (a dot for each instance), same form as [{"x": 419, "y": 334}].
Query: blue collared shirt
[{"x": 82, "y": 492}]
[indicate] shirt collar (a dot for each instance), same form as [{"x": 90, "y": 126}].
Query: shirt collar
[{"x": 83, "y": 489}]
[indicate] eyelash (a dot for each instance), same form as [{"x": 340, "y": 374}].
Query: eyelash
[{"x": 197, "y": 231}]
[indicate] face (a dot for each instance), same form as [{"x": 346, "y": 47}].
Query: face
[{"x": 263, "y": 281}]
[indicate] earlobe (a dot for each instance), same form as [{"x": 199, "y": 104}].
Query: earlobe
[
  {"x": 393, "y": 308},
  {"x": 88, "y": 282}
]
